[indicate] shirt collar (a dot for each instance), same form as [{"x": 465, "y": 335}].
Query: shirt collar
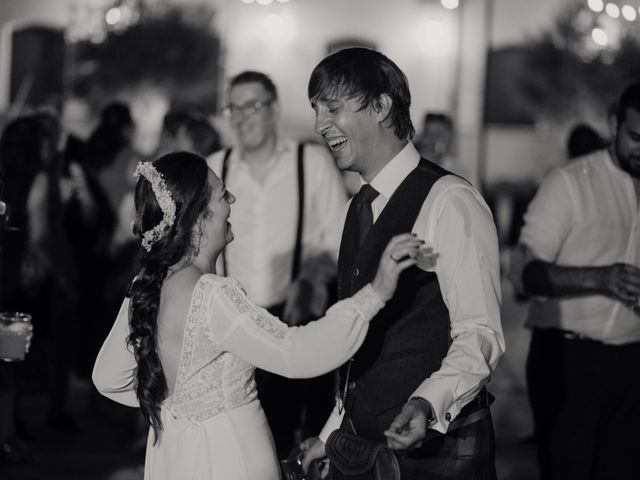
[{"x": 393, "y": 173}]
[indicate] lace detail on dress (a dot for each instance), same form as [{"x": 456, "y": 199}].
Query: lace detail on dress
[
  {"x": 260, "y": 317},
  {"x": 210, "y": 381},
  {"x": 367, "y": 301}
]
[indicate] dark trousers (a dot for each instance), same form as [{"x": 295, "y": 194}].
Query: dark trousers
[
  {"x": 585, "y": 399},
  {"x": 293, "y": 404}
]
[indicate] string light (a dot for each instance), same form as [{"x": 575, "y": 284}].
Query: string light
[
  {"x": 600, "y": 37},
  {"x": 596, "y": 5},
  {"x": 450, "y": 4},
  {"x": 265, "y": 3},
  {"x": 612, "y": 10},
  {"x": 629, "y": 13}
]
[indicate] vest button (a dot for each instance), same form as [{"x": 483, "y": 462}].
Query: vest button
[
  {"x": 351, "y": 385},
  {"x": 357, "y": 272},
  {"x": 447, "y": 417}
]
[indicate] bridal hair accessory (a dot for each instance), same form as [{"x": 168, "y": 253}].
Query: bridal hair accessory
[{"x": 164, "y": 199}]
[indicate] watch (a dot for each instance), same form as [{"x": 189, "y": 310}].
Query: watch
[{"x": 427, "y": 408}]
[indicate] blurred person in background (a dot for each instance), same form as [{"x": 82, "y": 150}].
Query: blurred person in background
[
  {"x": 286, "y": 219},
  {"x": 435, "y": 143},
  {"x": 101, "y": 169},
  {"x": 109, "y": 153},
  {"x": 172, "y": 123},
  {"x": 37, "y": 272},
  {"x": 578, "y": 258},
  {"x": 197, "y": 135},
  {"x": 583, "y": 139}
]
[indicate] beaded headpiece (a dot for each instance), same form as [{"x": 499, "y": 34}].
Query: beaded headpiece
[{"x": 164, "y": 199}]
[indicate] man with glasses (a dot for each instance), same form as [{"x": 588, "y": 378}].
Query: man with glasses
[{"x": 289, "y": 200}]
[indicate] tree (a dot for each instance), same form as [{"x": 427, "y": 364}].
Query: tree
[
  {"x": 171, "y": 48},
  {"x": 567, "y": 74}
]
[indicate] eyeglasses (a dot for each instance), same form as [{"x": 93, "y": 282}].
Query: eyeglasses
[{"x": 246, "y": 109}]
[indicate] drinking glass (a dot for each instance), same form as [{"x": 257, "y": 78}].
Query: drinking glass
[
  {"x": 16, "y": 331},
  {"x": 292, "y": 469}
]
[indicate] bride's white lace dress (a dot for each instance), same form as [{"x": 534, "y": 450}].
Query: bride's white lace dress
[{"x": 214, "y": 427}]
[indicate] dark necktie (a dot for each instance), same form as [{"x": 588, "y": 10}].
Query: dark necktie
[{"x": 362, "y": 213}]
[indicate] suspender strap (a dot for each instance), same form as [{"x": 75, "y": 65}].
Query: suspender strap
[
  {"x": 225, "y": 170},
  {"x": 297, "y": 253},
  {"x": 225, "y": 164}
]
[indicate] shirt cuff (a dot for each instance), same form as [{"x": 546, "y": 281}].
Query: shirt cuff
[
  {"x": 332, "y": 423},
  {"x": 444, "y": 408}
]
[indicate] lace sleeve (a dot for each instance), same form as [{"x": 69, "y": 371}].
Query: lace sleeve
[
  {"x": 260, "y": 317},
  {"x": 250, "y": 332},
  {"x": 367, "y": 301}
]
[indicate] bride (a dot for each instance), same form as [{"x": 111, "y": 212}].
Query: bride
[{"x": 185, "y": 343}]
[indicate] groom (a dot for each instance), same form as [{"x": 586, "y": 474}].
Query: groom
[{"x": 418, "y": 380}]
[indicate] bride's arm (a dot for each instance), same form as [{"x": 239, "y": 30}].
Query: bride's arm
[
  {"x": 251, "y": 333},
  {"x": 115, "y": 367}
]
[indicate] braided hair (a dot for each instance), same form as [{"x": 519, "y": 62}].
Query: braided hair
[{"x": 186, "y": 177}]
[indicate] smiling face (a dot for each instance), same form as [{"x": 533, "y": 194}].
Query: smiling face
[
  {"x": 627, "y": 142},
  {"x": 349, "y": 131},
  {"x": 253, "y": 126},
  {"x": 215, "y": 225}
]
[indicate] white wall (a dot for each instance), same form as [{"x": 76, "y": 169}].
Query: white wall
[
  {"x": 439, "y": 79},
  {"x": 400, "y": 29}
]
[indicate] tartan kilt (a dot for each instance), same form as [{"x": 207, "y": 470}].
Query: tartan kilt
[{"x": 465, "y": 453}]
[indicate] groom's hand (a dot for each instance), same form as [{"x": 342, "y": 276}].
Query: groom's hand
[
  {"x": 313, "y": 449},
  {"x": 409, "y": 428}
]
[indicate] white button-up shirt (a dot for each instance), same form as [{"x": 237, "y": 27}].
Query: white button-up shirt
[
  {"x": 585, "y": 214},
  {"x": 264, "y": 219},
  {"x": 457, "y": 223}
]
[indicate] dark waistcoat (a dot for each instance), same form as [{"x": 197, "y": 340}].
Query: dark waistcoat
[{"x": 409, "y": 338}]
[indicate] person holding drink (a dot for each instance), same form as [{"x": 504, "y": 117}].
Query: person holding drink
[
  {"x": 186, "y": 341},
  {"x": 27, "y": 208}
]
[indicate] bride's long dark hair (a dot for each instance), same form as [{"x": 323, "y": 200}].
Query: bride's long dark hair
[{"x": 186, "y": 177}]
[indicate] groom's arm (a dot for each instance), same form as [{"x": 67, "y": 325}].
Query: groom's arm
[
  {"x": 459, "y": 227},
  {"x": 468, "y": 270}
]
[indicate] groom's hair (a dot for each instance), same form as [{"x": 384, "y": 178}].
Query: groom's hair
[{"x": 364, "y": 74}]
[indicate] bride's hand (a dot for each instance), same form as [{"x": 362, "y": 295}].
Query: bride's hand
[{"x": 400, "y": 254}]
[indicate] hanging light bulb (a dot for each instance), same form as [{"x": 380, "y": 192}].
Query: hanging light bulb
[
  {"x": 612, "y": 10},
  {"x": 450, "y": 4},
  {"x": 600, "y": 37},
  {"x": 596, "y": 5},
  {"x": 629, "y": 13}
]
